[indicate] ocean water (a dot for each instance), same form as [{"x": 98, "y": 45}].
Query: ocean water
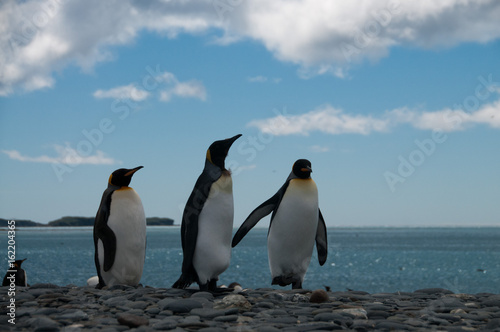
[{"x": 464, "y": 260}]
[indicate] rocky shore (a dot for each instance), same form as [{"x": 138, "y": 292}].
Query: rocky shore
[{"x": 47, "y": 307}]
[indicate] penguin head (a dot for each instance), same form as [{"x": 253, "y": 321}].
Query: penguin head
[
  {"x": 122, "y": 177},
  {"x": 217, "y": 152},
  {"x": 302, "y": 169},
  {"x": 18, "y": 263}
]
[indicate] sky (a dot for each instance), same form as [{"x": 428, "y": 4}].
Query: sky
[{"x": 396, "y": 104}]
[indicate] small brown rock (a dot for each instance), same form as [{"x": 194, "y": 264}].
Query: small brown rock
[
  {"x": 319, "y": 296},
  {"x": 132, "y": 320}
]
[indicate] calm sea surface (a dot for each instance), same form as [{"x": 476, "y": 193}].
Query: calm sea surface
[{"x": 464, "y": 260}]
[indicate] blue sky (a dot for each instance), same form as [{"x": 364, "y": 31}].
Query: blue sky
[{"x": 396, "y": 105}]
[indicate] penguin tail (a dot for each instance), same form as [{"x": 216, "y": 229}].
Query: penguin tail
[{"x": 184, "y": 281}]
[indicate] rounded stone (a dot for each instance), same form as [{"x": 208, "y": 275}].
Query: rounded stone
[
  {"x": 182, "y": 306},
  {"x": 132, "y": 320}
]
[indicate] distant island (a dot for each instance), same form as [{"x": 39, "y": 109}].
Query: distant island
[{"x": 80, "y": 221}]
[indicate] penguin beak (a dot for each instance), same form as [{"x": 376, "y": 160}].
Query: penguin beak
[
  {"x": 232, "y": 139},
  {"x": 228, "y": 142},
  {"x": 306, "y": 169},
  {"x": 133, "y": 170}
]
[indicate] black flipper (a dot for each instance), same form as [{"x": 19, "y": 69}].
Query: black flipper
[
  {"x": 189, "y": 227},
  {"x": 105, "y": 234},
  {"x": 321, "y": 240},
  {"x": 271, "y": 205}
]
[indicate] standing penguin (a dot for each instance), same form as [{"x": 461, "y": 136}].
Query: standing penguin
[
  {"x": 296, "y": 223},
  {"x": 120, "y": 232},
  {"x": 207, "y": 222},
  {"x": 19, "y": 277}
]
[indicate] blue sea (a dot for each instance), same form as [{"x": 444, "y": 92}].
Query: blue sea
[{"x": 463, "y": 260}]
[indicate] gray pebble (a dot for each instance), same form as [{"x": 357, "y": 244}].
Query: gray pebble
[
  {"x": 228, "y": 318},
  {"x": 132, "y": 320},
  {"x": 165, "y": 324},
  {"x": 43, "y": 324},
  {"x": 432, "y": 291},
  {"x": 207, "y": 313},
  {"x": 74, "y": 315},
  {"x": 53, "y": 308},
  {"x": 182, "y": 306},
  {"x": 138, "y": 305},
  {"x": 283, "y": 320},
  {"x": 206, "y": 295}
]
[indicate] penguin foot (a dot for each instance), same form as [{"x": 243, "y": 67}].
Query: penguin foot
[
  {"x": 210, "y": 286},
  {"x": 287, "y": 280},
  {"x": 183, "y": 282}
]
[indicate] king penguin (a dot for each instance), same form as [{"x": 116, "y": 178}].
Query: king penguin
[
  {"x": 207, "y": 222},
  {"x": 18, "y": 278},
  {"x": 296, "y": 223},
  {"x": 120, "y": 232}
]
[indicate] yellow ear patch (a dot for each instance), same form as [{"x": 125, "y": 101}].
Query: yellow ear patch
[
  {"x": 209, "y": 157},
  {"x": 110, "y": 177}
]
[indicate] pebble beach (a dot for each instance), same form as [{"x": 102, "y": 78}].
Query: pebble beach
[{"x": 48, "y": 307}]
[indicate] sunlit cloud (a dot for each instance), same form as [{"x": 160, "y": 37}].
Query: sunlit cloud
[
  {"x": 64, "y": 155},
  {"x": 334, "y": 121},
  {"x": 39, "y": 38},
  {"x": 123, "y": 92}
]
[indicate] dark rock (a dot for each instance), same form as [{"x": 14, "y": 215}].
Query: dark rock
[
  {"x": 493, "y": 302},
  {"x": 115, "y": 301},
  {"x": 445, "y": 305},
  {"x": 228, "y": 318},
  {"x": 165, "y": 324},
  {"x": 138, "y": 305},
  {"x": 493, "y": 324},
  {"x": 431, "y": 291},
  {"x": 205, "y": 295},
  {"x": 24, "y": 296},
  {"x": 162, "y": 304},
  {"x": 283, "y": 320},
  {"x": 277, "y": 312},
  {"x": 46, "y": 311},
  {"x": 43, "y": 324},
  {"x": 193, "y": 325},
  {"x": 316, "y": 326},
  {"x": 212, "y": 329},
  {"x": 43, "y": 285},
  {"x": 390, "y": 326},
  {"x": 207, "y": 313},
  {"x": 331, "y": 317},
  {"x": 120, "y": 287},
  {"x": 132, "y": 320},
  {"x": 183, "y": 306},
  {"x": 264, "y": 304},
  {"x": 74, "y": 315},
  {"x": 377, "y": 314}
]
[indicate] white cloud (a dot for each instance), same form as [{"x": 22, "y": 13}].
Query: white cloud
[
  {"x": 65, "y": 155},
  {"x": 329, "y": 120},
  {"x": 319, "y": 148},
  {"x": 326, "y": 119},
  {"x": 169, "y": 86},
  {"x": 263, "y": 79},
  {"x": 123, "y": 92},
  {"x": 38, "y": 38},
  {"x": 257, "y": 79},
  {"x": 187, "y": 89}
]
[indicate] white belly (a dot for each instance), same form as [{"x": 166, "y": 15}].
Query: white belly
[
  {"x": 128, "y": 221},
  {"x": 293, "y": 230},
  {"x": 212, "y": 253}
]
